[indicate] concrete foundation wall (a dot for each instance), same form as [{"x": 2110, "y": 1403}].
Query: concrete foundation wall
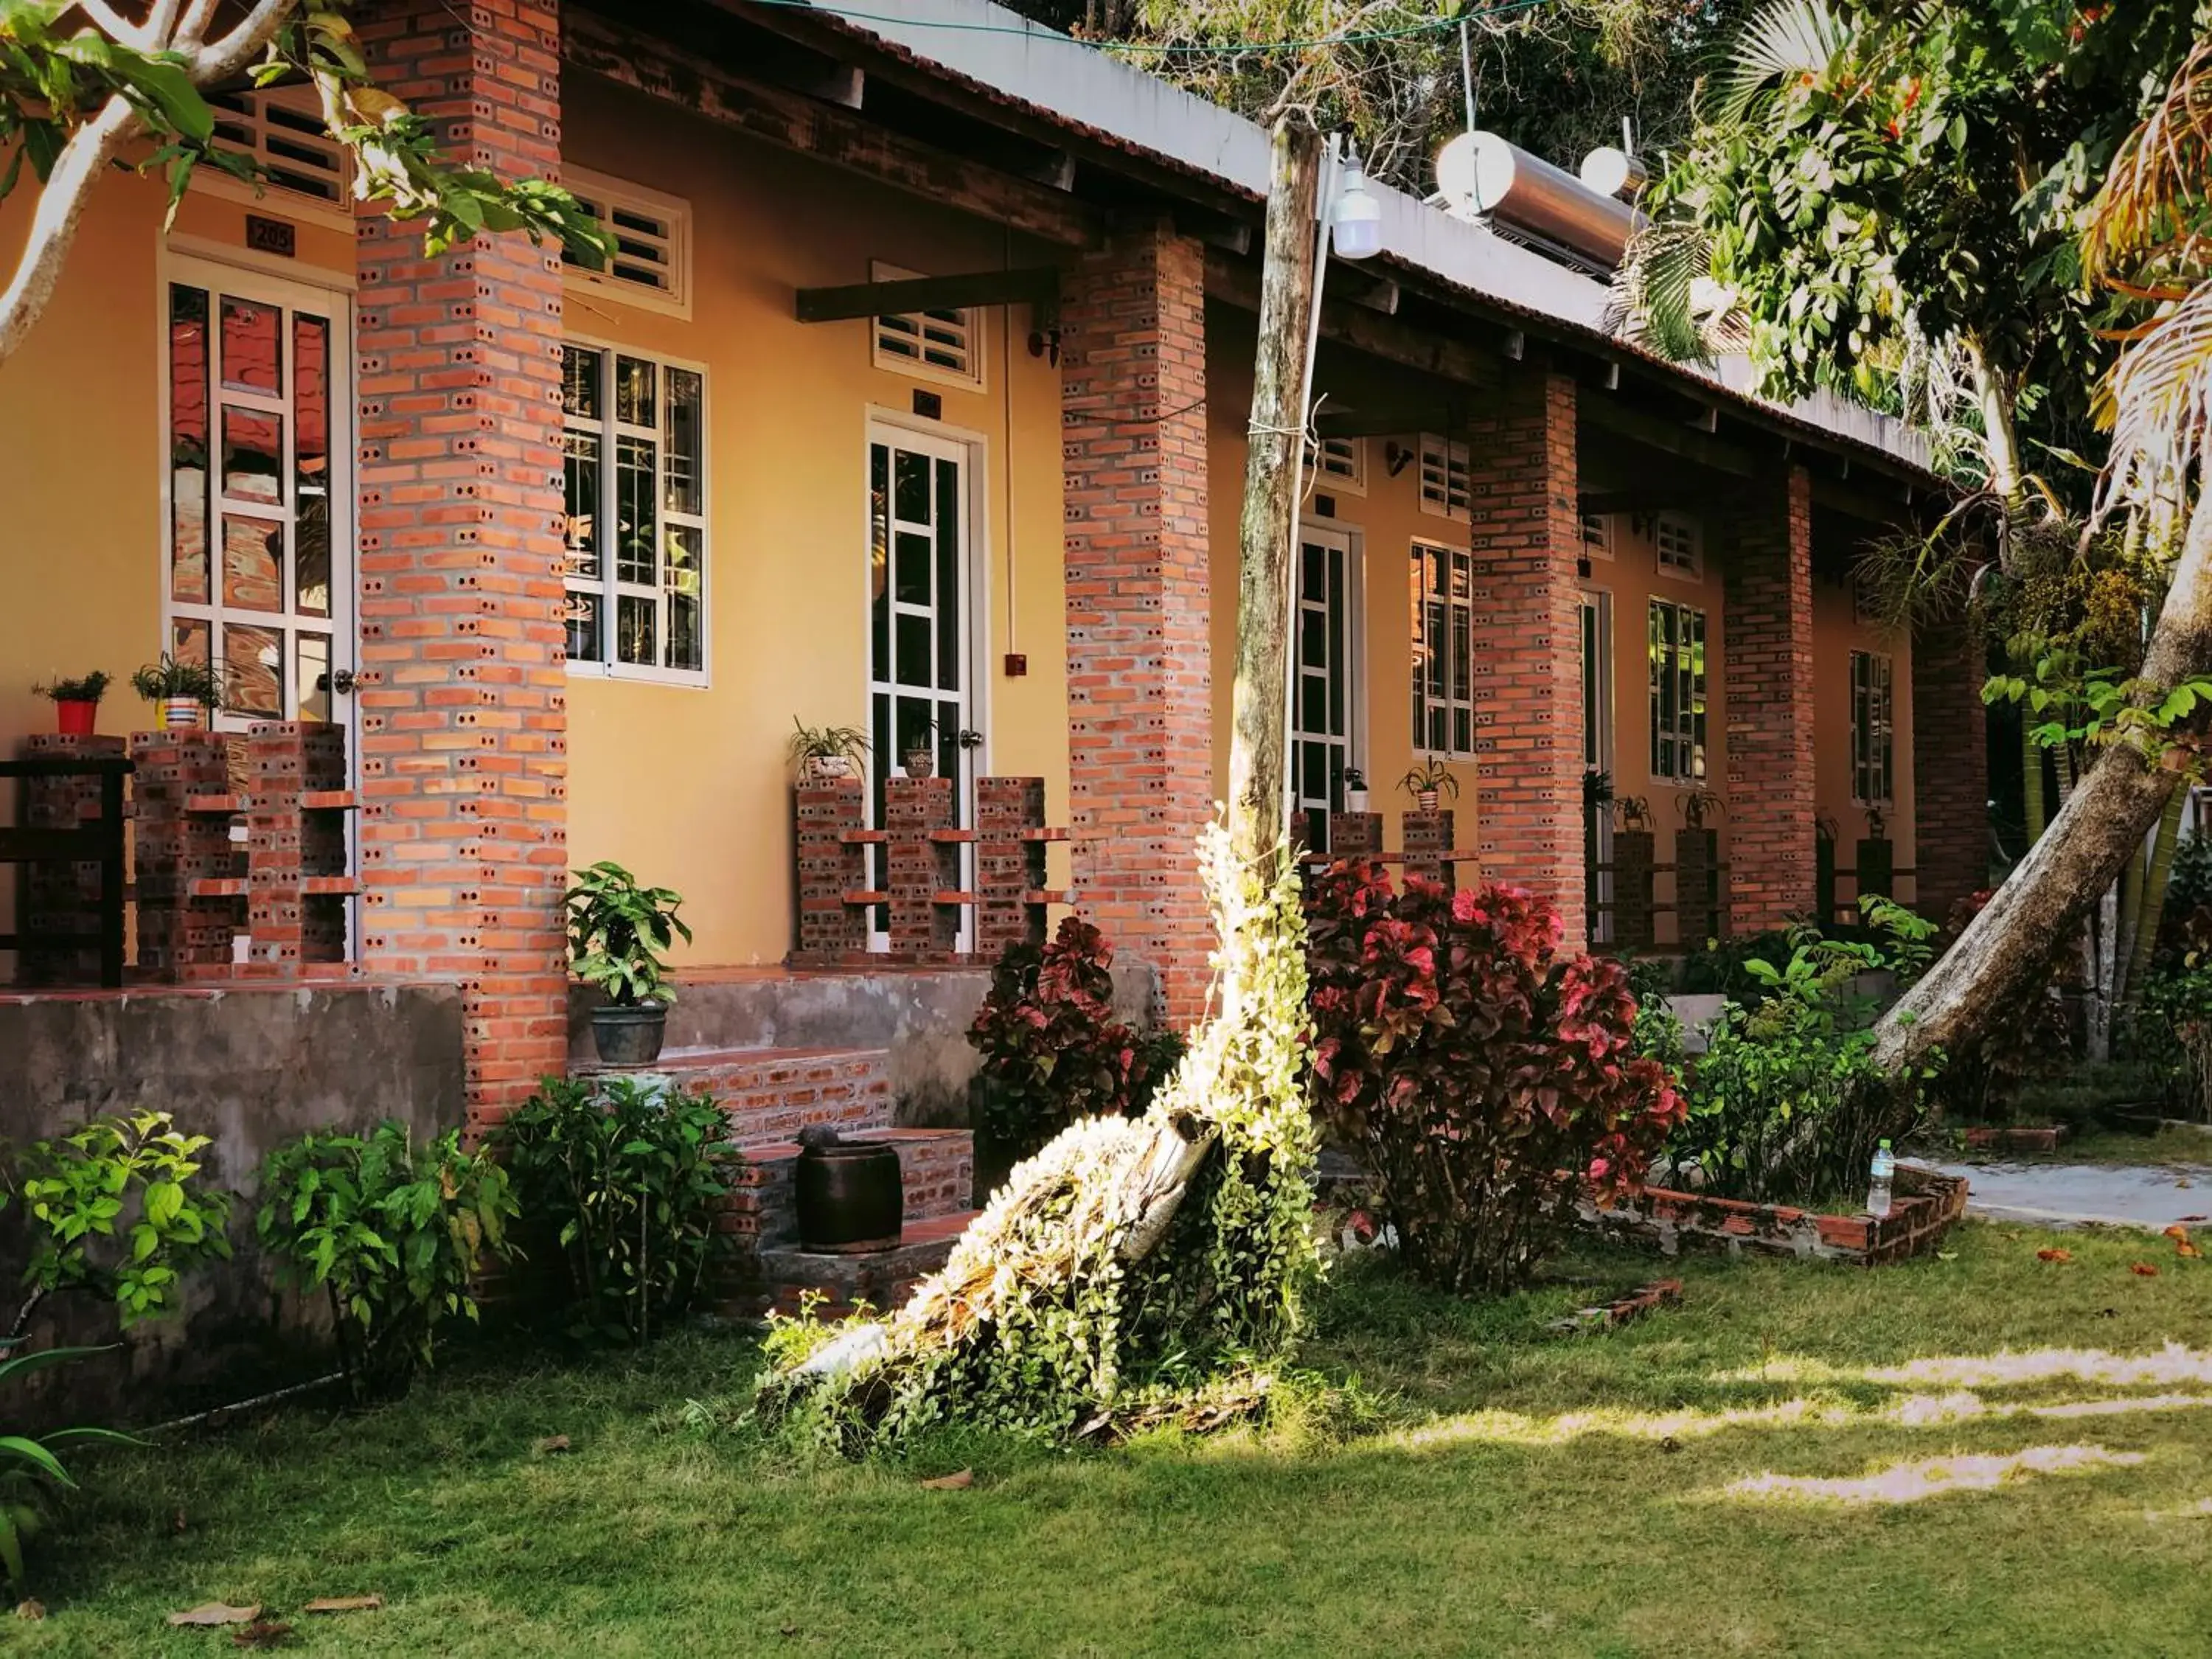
[
  {"x": 249, "y": 1067},
  {"x": 920, "y": 1016}
]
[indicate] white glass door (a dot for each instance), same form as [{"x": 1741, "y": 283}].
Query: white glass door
[
  {"x": 257, "y": 571},
  {"x": 1322, "y": 701},
  {"x": 921, "y": 649}
]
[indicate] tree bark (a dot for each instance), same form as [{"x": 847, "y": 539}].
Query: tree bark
[
  {"x": 1273, "y": 454},
  {"x": 80, "y": 165},
  {"x": 2065, "y": 874},
  {"x": 1997, "y": 399}
]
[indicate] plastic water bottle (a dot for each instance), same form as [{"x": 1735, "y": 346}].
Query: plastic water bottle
[{"x": 1885, "y": 1171}]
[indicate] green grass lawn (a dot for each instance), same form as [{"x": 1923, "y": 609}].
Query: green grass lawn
[{"x": 1476, "y": 1484}]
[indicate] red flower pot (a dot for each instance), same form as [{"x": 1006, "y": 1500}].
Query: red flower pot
[{"x": 75, "y": 718}]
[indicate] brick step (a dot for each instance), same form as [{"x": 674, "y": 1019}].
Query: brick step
[
  {"x": 882, "y": 1278},
  {"x": 936, "y": 1170},
  {"x": 769, "y": 1094}
]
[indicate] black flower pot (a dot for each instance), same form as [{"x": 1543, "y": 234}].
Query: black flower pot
[
  {"x": 851, "y": 1198},
  {"x": 629, "y": 1034}
]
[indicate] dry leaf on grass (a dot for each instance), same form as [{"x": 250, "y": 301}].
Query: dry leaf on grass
[
  {"x": 2054, "y": 1255},
  {"x": 343, "y": 1604},
  {"x": 952, "y": 1482},
  {"x": 2142, "y": 1270},
  {"x": 262, "y": 1633},
  {"x": 553, "y": 1442},
  {"x": 216, "y": 1613},
  {"x": 30, "y": 1609}
]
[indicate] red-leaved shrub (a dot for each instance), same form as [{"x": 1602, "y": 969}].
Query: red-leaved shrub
[{"x": 1480, "y": 1073}]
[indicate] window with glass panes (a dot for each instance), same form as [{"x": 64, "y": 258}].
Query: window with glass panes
[
  {"x": 1444, "y": 642},
  {"x": 1677, "y": 647},
  {"x": 635, "y": 439},
  {"x": 1874, "y": 742}
]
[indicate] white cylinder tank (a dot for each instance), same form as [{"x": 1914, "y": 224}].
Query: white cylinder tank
[{"x": 1481, "y": 175}]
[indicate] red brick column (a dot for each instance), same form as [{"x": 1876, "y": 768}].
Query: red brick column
[
  {"x": 1765, "y": 549},
  {"x": 1527, "y": 537},
  {"x": 463, "y": 686},
  {"x": 1950, "y": 767},
  {"x": 1140, "y": 672}
]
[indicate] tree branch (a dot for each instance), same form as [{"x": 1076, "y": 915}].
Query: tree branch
[
  {"x": 139, "y": 37},
  {"x": 236, "y": 49},
  {"x": 53, "y": 227}
]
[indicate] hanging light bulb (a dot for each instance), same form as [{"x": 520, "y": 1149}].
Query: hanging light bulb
[{"x": 1356, "y": 228}]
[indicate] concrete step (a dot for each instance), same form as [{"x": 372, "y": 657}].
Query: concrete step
[
  {"x": 882, "y": 1278},
  {"x": 936, "y": 1170},
  {"x": 769, "y": 1094}
]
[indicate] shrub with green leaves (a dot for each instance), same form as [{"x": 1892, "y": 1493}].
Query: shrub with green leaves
[
  {"x": 29, "y": 1470},
  {"x": 394, "y": 1234},
  {"x": 628, "y": 1181},
  {"x": 116, "y": 1208},
  {"x": 618, "y": 933}
]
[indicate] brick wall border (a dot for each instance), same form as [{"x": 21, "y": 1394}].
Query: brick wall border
[{"x": 1766, "y": 676}]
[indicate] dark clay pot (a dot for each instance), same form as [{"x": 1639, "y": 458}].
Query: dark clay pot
[
  {"x": 850, "y": 1197},
  {"x": 629, "y": 1036},
  {"x": 995, "y": 1157}
]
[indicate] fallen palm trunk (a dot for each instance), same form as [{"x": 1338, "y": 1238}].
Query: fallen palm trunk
[{"x": 1180, "y": 1242}]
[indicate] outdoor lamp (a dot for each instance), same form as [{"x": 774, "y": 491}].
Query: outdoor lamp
[{"x": 1357, "y": 227}]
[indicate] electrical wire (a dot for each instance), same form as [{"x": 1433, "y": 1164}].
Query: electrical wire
[{"x": 1197, "y": 48}]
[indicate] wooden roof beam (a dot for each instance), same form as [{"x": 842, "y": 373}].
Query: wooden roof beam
[
  {"x": 829, "y": 134},
  {"x": 1361, "y": 325}
]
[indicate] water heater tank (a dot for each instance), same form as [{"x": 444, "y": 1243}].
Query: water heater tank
[
  {"x": 1615, "y": 172},
  {"x": 1480, "y": 174}
]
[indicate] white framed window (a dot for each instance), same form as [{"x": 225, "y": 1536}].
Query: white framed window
[
  {"x": 943, "y": 344},
  {"x": 635, "y": 440},
  {"x": 308, "y": 173},
  {"x": 1443, "y": 590},
  {"x": 1445, "y": 479},
  {"x": 1678, "y": 541},
  {"x": 652, "y": 263},
  {"x": 1874, "y": 736},
  {"x": 1597, "y": 536},
  {"x": 1338, "y": 464},
  {"x": 1676, "y": 642}
]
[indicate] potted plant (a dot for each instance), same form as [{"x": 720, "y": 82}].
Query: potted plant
[
  {"x": 1355, "y": 790},
  {"x": 1699, "y": 803},
  {"x": 1428, "y": 783},
  {"x": 187, "y": 691},
  {"x": 919, "y": 755},
  {"x": 820, "y": 754},
  {"x": 76, "y": 703},
  {"x": 616, "y": 932}
]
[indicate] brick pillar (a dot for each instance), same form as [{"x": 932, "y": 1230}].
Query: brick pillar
[
  {"x": 1950, "y": 767},
  {"x": 1527, "y": 537},
  {"x": 1766, "y": 546},
  {"x": 463, "y": 686},
  {"x": 1139, "y": 674}
]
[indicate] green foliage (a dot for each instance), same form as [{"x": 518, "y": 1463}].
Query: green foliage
[
  {"x": 84, "y": 688},
  {"x": 1052, "y": 1050},
  {"x": 168, "y": 678},
  {"x": 813, "y": 742},
  {"x": 28, "y": 1468},
  {"x": 1430, "y": 775},
  {"x": 54, "y": 79},
  {"x": 1788, "y": 1104},
  {"x": 393, "y": 1235},
  {"x": 1047, "y": 1318},
  {"x": 1470, "y": 1065},
  {"x": 116, "y": 1208},
  {"x": 617, "y": 931},
  {"x": 629, "y": 1181}
]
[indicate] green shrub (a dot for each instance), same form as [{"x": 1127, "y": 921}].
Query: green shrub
[
  {"x": 29, "y": 1470},
  {"x": 618, "y": 932},
  {"x": 394, "y": 1235},
  {"x": 630, "y": 1181},
  {"x": 116, "y": 1208}
]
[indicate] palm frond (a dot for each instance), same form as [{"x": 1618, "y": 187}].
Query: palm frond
[
  {"x": 1788, "y": 38},
  {"x": 1663, "y": 296},
  {"x": 2157, "y": 401},
  {"x": 2150, "y": 219}
]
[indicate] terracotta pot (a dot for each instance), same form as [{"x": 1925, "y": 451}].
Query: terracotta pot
[
  {"x": 76, "y": 717},
  {"x": 851, "y": 1197},
  {"x": 920, "y": 764},
  {"x": 183, "y": 714}
]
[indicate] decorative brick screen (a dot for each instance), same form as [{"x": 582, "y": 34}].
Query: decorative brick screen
[
  {"x": 1767, "y": 673},
  {"x": 463, "y": 685},
  {"x": 1428, "y": 838},
  {"x": 61, "y": 898},
  {"x": 189, "y": 874},
  {"x": 1877, "y": 868},
  {"x": 1700, "y": 914},
  {"x": 1633, "y": 856}
]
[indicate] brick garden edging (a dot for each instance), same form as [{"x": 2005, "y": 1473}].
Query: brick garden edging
[{"x": 1926, "y": 1205}]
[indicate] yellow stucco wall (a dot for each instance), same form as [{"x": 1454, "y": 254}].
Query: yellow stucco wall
[{"x": 688, "y": 786}]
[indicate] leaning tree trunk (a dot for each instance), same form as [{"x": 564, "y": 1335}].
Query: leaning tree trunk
[
  {"x": 2049, "y": 894},
  {"x": 1273, "y": 457}
]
